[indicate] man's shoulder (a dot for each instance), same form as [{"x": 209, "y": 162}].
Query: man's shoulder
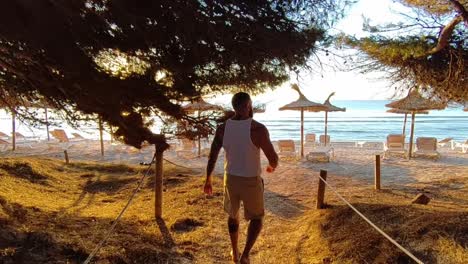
[
  {"x": 258, "y": 125},
  {"x": 221, "y": 126}
]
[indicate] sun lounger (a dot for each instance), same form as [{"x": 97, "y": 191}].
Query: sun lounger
[
  {"x": 322, "y": 140},
  {"x": 310, "y": 138},
  {"x": 186, "y": 146},
  {"x": 426, "y": 147},
  {"x": 446, "y": 142},
  {"x": 4, "y": 136},
  {"x": 62, "y": 138},
  {"x": 462, "y": 145},
  {"x": 60, "y": 135},
  {"x": 4, "y": 145},
  {"x": 286, "y": 148},
  {"x": 21, "y": 137},
  {"x": 360, "y": 144},
  {"x": 77, "y": 137},
  {"x": 321, "y": 154},
  {"x": 395, "y": 144}
]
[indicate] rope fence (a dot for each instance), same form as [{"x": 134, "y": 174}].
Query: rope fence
[
  {"x": 322, "y": 178},
  {"x": 111, "y": 229}
]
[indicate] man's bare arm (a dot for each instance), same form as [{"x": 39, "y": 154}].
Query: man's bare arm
[
  {"x": 267, "y": 147},
  {"x": 214, "y": 151}
]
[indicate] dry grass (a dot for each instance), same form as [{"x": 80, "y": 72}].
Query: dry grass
[{"x": 52, "y": 212}]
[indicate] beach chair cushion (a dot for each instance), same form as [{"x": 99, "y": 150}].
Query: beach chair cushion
[
  {"x": 286, "y": 145},
  {"x": 322, "y": 139},
  {"x": 60, "y": 135},
  {"x": 426, "y": 147},
  {"x": 395, "y": 144},
  {"x": 426, "y": 143},
  {"x": 310, "y": 138}
]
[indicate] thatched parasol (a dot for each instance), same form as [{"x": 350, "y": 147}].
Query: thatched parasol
[
  {"x": 413, "y": 103},
  {"x": 200, "y": 106},
  {"x": 302, "y": 104},
  {"x": 330, "y": 108},
  {"x": 398, "y": 111}
]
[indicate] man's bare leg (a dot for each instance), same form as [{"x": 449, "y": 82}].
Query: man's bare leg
[
  {"x": 255, "y": 226},
  {"x": 233, "y": 226}
]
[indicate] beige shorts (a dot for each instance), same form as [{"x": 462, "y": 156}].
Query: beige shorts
[{"x": 249, "y": 190}]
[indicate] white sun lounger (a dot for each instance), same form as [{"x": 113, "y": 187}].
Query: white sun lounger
[
  {"x": 395, "y": 144},
  {"x": 426, "y": 147},
  {"x": 321, "y": 154},
  {"x": 287, "y": 148},
  {"x": 462, "y": 145}
]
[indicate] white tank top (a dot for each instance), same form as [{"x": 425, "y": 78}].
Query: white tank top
[{"x": 242, "y": 157}]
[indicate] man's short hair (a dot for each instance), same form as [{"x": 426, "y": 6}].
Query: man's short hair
[{"x": 239, "y": 99}]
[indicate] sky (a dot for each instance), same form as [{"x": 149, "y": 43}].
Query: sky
[{"x": 346, "y": 85}]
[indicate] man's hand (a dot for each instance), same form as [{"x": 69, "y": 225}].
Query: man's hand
[
  {"x": 208, "y": 189},
  {"x": 270, "y": 169}
]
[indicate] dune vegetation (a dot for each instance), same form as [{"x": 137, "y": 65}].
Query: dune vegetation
[{"x": 52, "y": 212}]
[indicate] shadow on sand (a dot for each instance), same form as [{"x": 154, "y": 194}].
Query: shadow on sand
[{"x": 49, "y": 239}]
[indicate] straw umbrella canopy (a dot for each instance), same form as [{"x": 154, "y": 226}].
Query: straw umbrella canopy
[
  {"x": 398, "y": 111},
  {"x": 201, "y": 106},
  {"x": 413, "y": 103},
  {"x": 330, "y": 108},
  {"x": 302, "y": 104}
]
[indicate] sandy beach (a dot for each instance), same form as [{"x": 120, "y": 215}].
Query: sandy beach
[
  {"x": 351, "y": 165},
  {"x": 290, "y": 195}
]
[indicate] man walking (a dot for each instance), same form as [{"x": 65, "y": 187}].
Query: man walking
[{"x": 242, "y": 138}]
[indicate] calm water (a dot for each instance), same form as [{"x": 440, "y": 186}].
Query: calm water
[{"x": 363, "y": 120}]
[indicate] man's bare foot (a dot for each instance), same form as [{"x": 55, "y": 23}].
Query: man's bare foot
[
  {"x": 245, "y": 259},
  {"x": 235, "y": 257}
]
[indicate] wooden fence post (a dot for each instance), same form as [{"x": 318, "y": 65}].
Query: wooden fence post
[
  {"x": 321, "y": 189},
  {"x": 377, "y": 172},
  {"x": 66, "y": 157},
  {"x": 158, "y": 183}
]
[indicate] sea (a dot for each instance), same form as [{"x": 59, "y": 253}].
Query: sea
[{"x": 364, "y": 120}]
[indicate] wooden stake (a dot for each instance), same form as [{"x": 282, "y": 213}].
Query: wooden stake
[
  {"x": 158, "y": 183},
  {"x": 66, "y": 157},
  {"x": 321, "y": 190},
  {"x": 377, "y": 172}
]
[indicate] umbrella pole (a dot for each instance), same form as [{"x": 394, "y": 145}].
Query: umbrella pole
[
  {"x": 100, "y": 137},
  {"x": 404, "y": 124},
  {"x": 47, "y": 124},
  {"x": 411, "y": 136},
  {"x": 326, "y": 127},
  {"x": 302, "y": 132},
  {"x": 13, "y": 129},
  {"x": 199, "y": 140},
  {"x": 112, "y": 134}
]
